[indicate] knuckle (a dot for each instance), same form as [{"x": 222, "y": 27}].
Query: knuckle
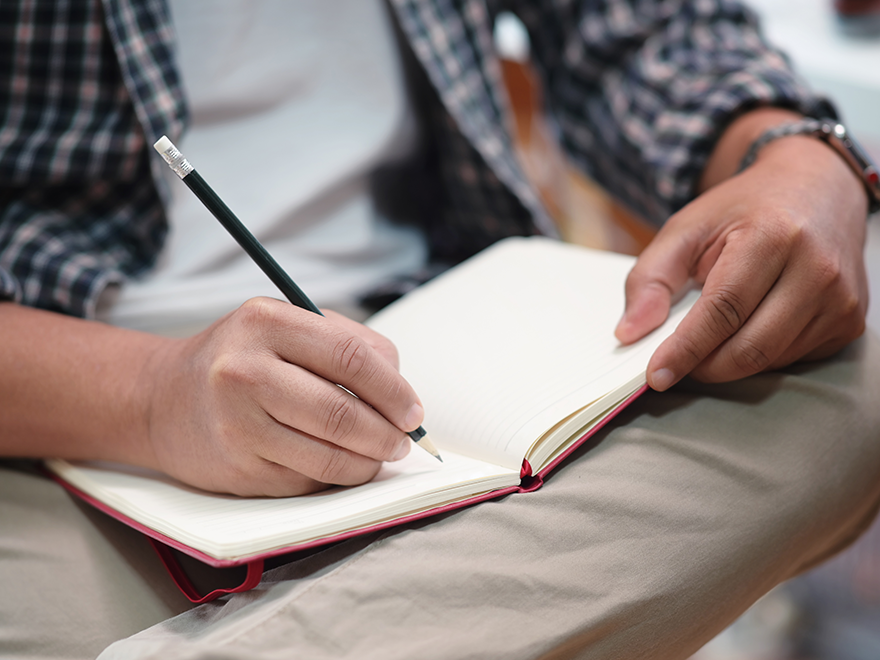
[
  {"x": 749, "y": 358},
  {"x": 782, "y": 231},
  {"x": 386, "y": 348},
  {"x": 258, "y": 311},
  {"x": 827, "y": 272},
  {"x": 340, "y": 418},
  {"x": 854, "y": 323},
  {"x": 351, "y": 355},
  {"x": 232, "y": 369},
  {"x": 852, "y": 307},
  {"x": 386, "y": 447},
  {"x": 691, "y": 350},
  {"x": 334, "y": 467},
  {"x": 727, "y": 311}
]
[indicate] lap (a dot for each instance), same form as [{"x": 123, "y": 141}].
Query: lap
[
  {"x": 74, "y": 580},
  {"x": 693, "y": 505}
]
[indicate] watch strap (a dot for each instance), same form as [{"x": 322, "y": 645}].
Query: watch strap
[{"x": 838, "y": 138}]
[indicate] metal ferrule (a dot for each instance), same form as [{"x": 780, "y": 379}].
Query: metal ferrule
[{"x": 177, "y": 162}]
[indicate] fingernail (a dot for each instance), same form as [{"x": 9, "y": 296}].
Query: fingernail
[
  {"x": 662, "y": 379},
  {"x": 403, "y": 449},
  {"x": 414, "y": 417}
]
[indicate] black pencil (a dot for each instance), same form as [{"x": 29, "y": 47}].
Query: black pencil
[{"x": 253, "y": 247}]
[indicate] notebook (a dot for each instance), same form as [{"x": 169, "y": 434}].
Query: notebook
[{"x": 514, "y": 357}]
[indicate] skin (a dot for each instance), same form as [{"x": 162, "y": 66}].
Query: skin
[
  {"x": 778, "y": 250},
  {"x": 251, "y": 405}
]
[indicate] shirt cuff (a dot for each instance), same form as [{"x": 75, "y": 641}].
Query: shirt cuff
[{"x": 686, "y": 140}]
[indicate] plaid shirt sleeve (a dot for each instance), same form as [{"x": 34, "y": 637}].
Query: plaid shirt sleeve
[
  {"x": 641, "y": 89},
  {"x": 78, "y": 206}
]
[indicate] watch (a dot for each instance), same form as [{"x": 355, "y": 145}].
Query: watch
[{"x": 838, "y": 138}]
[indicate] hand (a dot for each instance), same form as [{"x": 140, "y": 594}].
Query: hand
[
  {"x": 778, "y": 251},
  {"x": 251, "y": 406}
]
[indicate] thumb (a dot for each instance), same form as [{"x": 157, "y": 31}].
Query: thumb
[
  {"x": 659, "y": 275},
  {"x": 646, "y": 309}
]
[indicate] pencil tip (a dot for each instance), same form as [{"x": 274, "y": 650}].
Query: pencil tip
[{"x": 425, "y": 443}]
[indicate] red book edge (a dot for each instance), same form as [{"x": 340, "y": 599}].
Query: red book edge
[{"x": 163, "y": 544}]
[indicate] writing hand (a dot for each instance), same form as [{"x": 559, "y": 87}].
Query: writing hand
[
  {"x": 778, "y": 251},
  {"x": 252, "y": 405}
]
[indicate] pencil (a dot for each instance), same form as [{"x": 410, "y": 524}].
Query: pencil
[{"x": 253, "y": 247}]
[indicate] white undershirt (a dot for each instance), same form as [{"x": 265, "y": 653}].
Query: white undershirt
[{"x": 293, "y": 103}]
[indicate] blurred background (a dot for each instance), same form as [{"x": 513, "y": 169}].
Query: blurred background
[{"x": 832, "y": 612}]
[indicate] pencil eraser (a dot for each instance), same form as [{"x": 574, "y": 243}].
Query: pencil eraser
[
  {"x": 163, "y": 144},
  {"x": 172, "y": 156}
]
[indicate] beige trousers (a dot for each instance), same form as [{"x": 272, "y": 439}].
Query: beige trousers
[{"x": 695, "y": 503}]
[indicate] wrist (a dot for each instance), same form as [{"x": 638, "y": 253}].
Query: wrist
[
  {"x": 151, "y": 398},
  {"x": 833, "y": 134},
  {"x": 760, "y": 132},
  {"x": 123, "y": 434},
  {"x": 817, "y": 176},
  {"x": 734, "y": 142}
]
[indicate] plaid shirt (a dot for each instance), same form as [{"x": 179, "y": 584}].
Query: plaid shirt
[{"x": 640, "y": 90}]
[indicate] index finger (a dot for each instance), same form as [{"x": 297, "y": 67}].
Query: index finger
[{"x": 337, "y": 354}]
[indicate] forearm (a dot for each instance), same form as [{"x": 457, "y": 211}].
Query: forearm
[{"x": 71, "y": 388}]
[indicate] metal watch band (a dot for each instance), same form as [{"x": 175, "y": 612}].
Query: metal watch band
[{"x": 838, "y": 138}]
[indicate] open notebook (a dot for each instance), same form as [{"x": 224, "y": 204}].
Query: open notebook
[{"x": 514, "y": 357}]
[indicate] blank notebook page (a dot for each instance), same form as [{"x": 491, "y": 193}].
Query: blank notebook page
[{"x": 499, "y": 354}]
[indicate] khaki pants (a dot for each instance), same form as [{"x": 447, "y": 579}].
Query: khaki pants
[{"x": 695, "y": 503}]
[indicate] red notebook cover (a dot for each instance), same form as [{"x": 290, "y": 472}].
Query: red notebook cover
[{"x": 163, "y": 544}]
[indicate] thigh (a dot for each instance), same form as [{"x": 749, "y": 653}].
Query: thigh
[
  {"x": 73, "y": 579},
  {"x": 693, "y": 505}
]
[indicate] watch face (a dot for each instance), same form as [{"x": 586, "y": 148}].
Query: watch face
[{"x": 860, "y": 161}]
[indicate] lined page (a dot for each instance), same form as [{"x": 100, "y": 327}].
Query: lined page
[
  {"x": 518, "y": 338},
  {"x": 229, "y": 527}
]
